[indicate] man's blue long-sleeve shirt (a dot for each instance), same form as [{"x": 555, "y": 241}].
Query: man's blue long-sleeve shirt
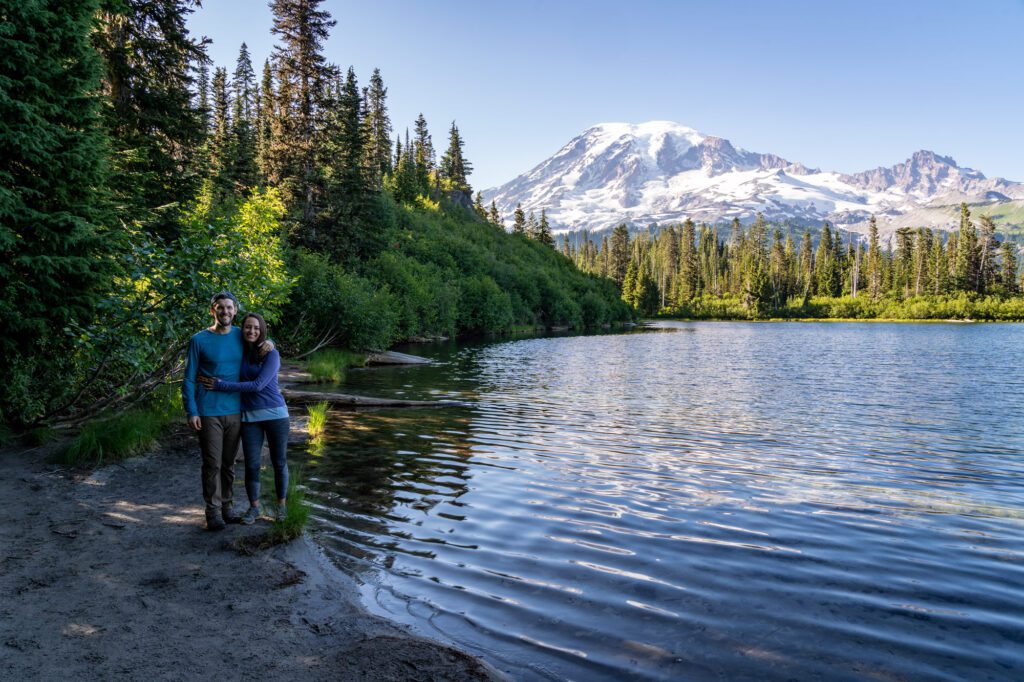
[{"x": 215, "y": 355}]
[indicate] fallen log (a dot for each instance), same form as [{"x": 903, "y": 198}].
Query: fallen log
[
  {"x": 292, "y": 395},
  {"x": 391, "y": 357}
]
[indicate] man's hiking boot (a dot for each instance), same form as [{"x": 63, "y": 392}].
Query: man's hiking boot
[
  {"x": 251, "y": 515},
  {"x": 214, "y": 522},
  {"x": 281, "y": 514},
  {"x": 228, "y": 512}
]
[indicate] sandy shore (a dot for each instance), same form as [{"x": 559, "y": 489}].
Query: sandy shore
[{"x": 110, "y": 575}]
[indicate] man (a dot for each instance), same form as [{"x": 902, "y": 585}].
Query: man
[{"x": 216, "y": 415}]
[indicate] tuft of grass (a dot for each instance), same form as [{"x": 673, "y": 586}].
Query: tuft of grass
[
  {"x": 123, "y": 435},
  {"x": 297, "y": 515},
  {"x": 292, "y": 527},
  {"x": 329, "y": 365},
  {"x": 317, "y": 418}
]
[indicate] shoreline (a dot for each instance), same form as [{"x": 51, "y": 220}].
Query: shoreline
[{"x": 111, "y": 574}]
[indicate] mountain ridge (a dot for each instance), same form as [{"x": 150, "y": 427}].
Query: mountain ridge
[{"x": 664, "y": 172}]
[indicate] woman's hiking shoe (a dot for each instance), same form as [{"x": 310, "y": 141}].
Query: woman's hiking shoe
[
  {"x": 281, "y": 514},
  {"x": 251, "y": 515}
]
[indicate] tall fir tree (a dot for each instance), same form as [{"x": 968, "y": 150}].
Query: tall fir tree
[
  {"x": 618, "y": 254},
  {"x": 519, "y": 220},
  {"x": 266, "y": 112},
  {"x": 966, "y": 253},
  {"x": 454, "y": 167},
  {"x": 1008, "y": 273},
  {"x": 873, "y": 262},
  {"x": 242, "y": 170},
  {"x": 155, "y": 127},
  {"x": 686, "y": 286},
  {"x": 423, "y": 154},
  {"x": 377, "y": 132},
  {"x": 55, "y": 255},
  {"x": 544, "y": 235},
  {"x": 303, "y": 76}
]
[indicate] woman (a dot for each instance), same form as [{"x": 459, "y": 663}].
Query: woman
[{"x": 264, "y": 413}]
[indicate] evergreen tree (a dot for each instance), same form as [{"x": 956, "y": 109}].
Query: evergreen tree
[
  {"x": 377, "y": 132},
  {"x": 531, "y": 226},
  {"x": 219, "y": 138},
  {"x": 424, "y": 155},
  {"x": 519, "y": 220},
  {"x": 986, "y": 254},
  {"x": 873, "y": 262},
  {"x": 904, "y": 265},
  {"x": 966, "y": 253},
  {"x": 155, "y": 128},
  {"x": 265, "y": 123},
  {"x": 303, "y": 76},
  {"x": 55, "y": 258},
  {"x": 618, "y": 255},
  {"x": 203, "y": 93},
  {"x": 494, "y": 217},
  {"x": 544, "y": 230},
  {"x": 242, "y": 172},
  {"x": 938, "y": 269},
  {"x": 454, "y": 167},
  {"x": 825, "y": 265},
  {"x": 806, "y": 268},
  {"x": 686, "y": 279},
  {"x": 1008, "y": 251},
  {"x": 346, "y": 231}
]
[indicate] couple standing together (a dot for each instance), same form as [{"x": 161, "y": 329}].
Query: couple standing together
[{"x": 230, "y": 393}]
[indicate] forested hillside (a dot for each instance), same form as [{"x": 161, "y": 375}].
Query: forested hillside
[{"x": 136, "y": 179}]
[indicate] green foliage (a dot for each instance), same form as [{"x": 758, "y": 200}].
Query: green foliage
[
  {"x": 331, "y": 305},
  {"x": 329, "y": 365},
  {"x": 317, "y": 418}
]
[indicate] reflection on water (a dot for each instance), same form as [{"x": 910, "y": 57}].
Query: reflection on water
[{"x": 767, "y": 501}]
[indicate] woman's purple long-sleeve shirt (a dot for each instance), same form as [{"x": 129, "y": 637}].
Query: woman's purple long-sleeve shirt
[{"x": 258, "y": 384}]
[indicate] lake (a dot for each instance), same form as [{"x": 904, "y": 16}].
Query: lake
[{"x": 696, "y": 501}]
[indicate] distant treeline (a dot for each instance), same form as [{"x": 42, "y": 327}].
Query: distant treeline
[
  {"x": 760, "y": 272},
  {"x": 136, "y": 181}
]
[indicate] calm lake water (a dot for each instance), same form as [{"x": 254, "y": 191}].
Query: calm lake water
[{"x": 698, "y": 501}]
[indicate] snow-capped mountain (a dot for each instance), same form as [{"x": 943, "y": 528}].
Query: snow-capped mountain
[{"x": 662, "y": 172}]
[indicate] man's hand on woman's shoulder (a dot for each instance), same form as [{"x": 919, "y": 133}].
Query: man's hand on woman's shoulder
[{"x": 266, "y": 347}]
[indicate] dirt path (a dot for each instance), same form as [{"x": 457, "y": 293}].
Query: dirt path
[{"x": 111, "y": 576}]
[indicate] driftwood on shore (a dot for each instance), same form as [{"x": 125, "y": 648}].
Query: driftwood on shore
[
  {"x": 390, "y": 357},
  {"x": 293, "y": 395}
]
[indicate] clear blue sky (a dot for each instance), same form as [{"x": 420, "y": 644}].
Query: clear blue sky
[{"x": 843, "y": 85}]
